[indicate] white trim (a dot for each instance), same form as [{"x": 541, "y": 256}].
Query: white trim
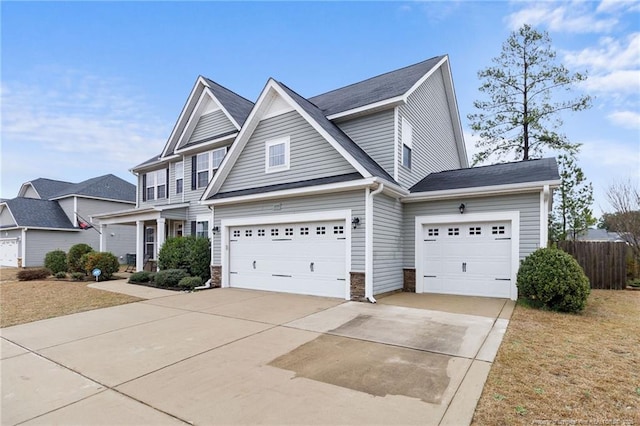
[
  {"x": 23, "y": 247},
  {"x": 88, "y": 197},
  {"x": 368, "y": 243},
  {"x": 396, "y": 143},
  {"x": 204, "y": 217},
  {"x": 286, "y": 141},
  {"x": 176, "y": 178},
  {"x": 511, "y": 216},
  {"x": 226, "y": 224},
  {"x": 479, "y": 191},
  {"x": 424, "y": 78},
  {"x": 206, "y": 144},
  {"x": 75, "y": 214},
  {"x": 545, "y": 195},
  {"x": 199, "y": 84},
  {"x": 380, "y": 105}
]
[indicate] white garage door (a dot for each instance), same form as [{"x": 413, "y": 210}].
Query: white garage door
[
  {"x": 467, "y": 258},
  {"x": 9, "y": 252},
  {"x": 305, "y": 258}
]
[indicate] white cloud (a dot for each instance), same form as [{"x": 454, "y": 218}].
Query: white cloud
[
  {"x": 621, "y": 82},
  {"x": 627, "y": 119},
  {"x": 573, "y": 17},
  {"x": 609, "y": 6},
  {"x": 610, "y": 54}
]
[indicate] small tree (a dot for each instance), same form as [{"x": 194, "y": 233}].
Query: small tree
[
  {"x": 107, "y": 263},
  {"x": 572, "y": 213},
  {"x": 56, "y": 261},
  {"x": 624, "y": 197},
  {"x": 190, "y": 253},
  {"x": 74, "y": 257},
  {"x": 520, "y": 118}
]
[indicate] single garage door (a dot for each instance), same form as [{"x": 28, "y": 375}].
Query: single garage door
[
  {"x": 9, "y": 252},
  {"x": 304, "y": 258},
  {"x": 467, "y": 258}
]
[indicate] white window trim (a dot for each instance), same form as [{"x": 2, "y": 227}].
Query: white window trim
[
  {"x": 176, "y": 177},
  {"x": 287, "y": 164},
  {"x": 156, "y": 184},
  {"x": 407, "y": 140},
  {"x": 210, "y": 168},
  {"x": 204, "y": 218}
]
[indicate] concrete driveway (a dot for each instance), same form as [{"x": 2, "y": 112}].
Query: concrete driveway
[{"x": 230, "y": 356}]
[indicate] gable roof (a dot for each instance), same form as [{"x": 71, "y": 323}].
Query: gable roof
[
  {"x": 32, "y": 212},
  {"x": 108, "y": 187},
  {"x": 46, "y": 188},
  {"x": 237, "y": 106},
  {"x": 382, "y": 87},
  {"x": 529, "y": 171}
]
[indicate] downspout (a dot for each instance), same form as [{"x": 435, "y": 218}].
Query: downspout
[
  {"x": 368, "y": 288},
  {"x": 208, "y": 283}
]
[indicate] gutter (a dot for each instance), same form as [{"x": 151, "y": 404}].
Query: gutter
[{"x": 368, "y": 286}]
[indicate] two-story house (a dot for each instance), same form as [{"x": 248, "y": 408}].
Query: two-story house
[
  {"x": 356, "y": 192},
  {"x": 51, "y": 215}
]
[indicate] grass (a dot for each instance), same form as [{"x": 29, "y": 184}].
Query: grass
[
  {"x": 557, "y": 368},
  {"x": 27, "y": 301}
]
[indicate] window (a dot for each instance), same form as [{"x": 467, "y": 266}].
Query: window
[
  {"x": 260, "y": 232},
  {"x": 274, "y": 232},
  {"x": 338, "y": 230},
  {"x": 206, "y": 165},
  {"x": 407, "y": 143},
  {"x": 156, "y": 185},
  {"x": 277, "y": 155},
  {"x": 475, "y": 230},
  {"x": 217, "y": 156},
  {"x": 202, "y": 229},
  {"x": 288, "y": 231},
  {"x": 248, "y": 233},
  {"x": 320, "y": 230},
  {"x": 179, "y": 170},
  {"x": 497, "y": 230},
  {"x": 236, "y": 234},
  {"x": 433, "y": 232},
  {"x": 304, "y": 231},
  {"x": 149, "y": 242},
  {"x": 453, "y": 231},
  {"x": 178, "y": 229}
]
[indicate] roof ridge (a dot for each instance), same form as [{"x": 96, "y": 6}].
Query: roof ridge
[
  {"x": 226, "y": 88},
  {"x": 494, "y": 165}
]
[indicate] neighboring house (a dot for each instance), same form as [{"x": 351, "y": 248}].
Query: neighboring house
[
  {"x": 50, "y": 214},
  {"x": 600, "y": 235},
  {"x": 350, "y": 194}
]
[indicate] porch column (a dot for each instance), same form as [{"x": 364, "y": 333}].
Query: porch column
[
  {"x": 139, "y": 245},
  {"x": 161, "y": 234},
  {"x": 101, "y": 228}
]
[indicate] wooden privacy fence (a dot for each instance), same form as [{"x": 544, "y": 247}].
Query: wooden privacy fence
[{"x": 604, "y": 263}]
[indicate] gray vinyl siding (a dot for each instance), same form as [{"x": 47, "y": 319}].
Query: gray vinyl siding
[
  {"x": 142, "y": 189},
  {"x": 67, "y": 206},
  {"x": 387, "y": 244},
  {"x": 31, "y": 193},
  {"x": 527, "y": 204},
  {"x": 210, "y": 125},
  {"x": 374, "y": 134},
  {"x": 88, "y": 206},
  {"x": 173, "y": 197},
  {"x": 311, "y": 156},
  {"x": 434, "y": 144},
  {"x": 5, "y": 217},
  {"x": 119, "y": 240},
  {"x": 352, "y": 200},
  {"x": 40, "y": 242}
]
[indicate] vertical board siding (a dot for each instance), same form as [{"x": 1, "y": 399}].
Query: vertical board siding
[
  {"x": 40, "y": 242},
  {"x": 387, "y": 244},
  {"x": 210, "y": 125},
  {"x": 311, "y": 156},
  {"x": 527, "y": 204},
  {"x": 353, "y": 200},
  {"x": 374, "y": 134},
  {"x": 434, "y": 145},
  {"x": 604, "y": 263}
]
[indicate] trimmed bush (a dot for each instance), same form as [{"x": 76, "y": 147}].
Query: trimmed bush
[
  {"x": 169, "y": 277},
  {"x": 33, "y": 274},
  {"x": 74, "y": 257},
  {"x": 56, "y": 261},
  {"x": 78, "y": 276},
  {"x": 105, "y": 261},
  {"x": 189, "y": 283},
  {"x": 60, "y": 275},
  {"x": 141, "y": 277},
  {"x": 552, "y": 279},
  {"x": 189, "y": 253}
]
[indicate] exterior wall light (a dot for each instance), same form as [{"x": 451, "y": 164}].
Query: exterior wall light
[
  {"x": 215, "y": 229},
  {"x": 355, "y": 222},
  {"x": 461, "y": 208}
]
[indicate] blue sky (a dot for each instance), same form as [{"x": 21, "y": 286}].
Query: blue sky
[{"x": 90, "y": 88}]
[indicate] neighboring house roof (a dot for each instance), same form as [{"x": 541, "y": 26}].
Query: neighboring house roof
[
  {"x": 32, "y": 212},
  {"x": 350, "y": 146},
  {"x": 375, "y": 89},
  {"x": 236, "y": 105},
  {"x": 106, "y": 187},
  {"x": 47, "y": 188},
  {"x": 600, "y": 235},
  {"x": 541, "y": 170}
]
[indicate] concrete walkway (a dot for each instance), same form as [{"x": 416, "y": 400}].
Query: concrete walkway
[{"x": 229, "y": 356}]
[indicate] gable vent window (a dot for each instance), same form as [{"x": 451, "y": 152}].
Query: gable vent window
[
  {"x": 304, "y": 231},
  {"x": 407, "y": 143},
  {"x": 475, "y": 230},
  {"x": 453, "y": 231},
  {"x": 155, "y": 185},
  {"x": 260, "y": 232},
  {"x": 277, "y": 155},
  {"x": 497, "y": 230},
  {"x": 433, "y": 232}
]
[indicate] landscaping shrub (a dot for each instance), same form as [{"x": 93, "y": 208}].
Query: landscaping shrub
[
  {"x": 78, "y": 276},
  {"x": 189, "y": 283},
  {"x": 60, "y": 275},
  {"x": 634, "y": 283},
  {"x": 33, "y": 274},
  {"x": 74, "y": 257},
  {"x": 169, "y": 277},
  {"x": 188, "y": 253},
  {"x": 141, "y": 277},
  {"x": 551, "y": 278},
  {"x": 105, "y": 261},
  {"x": 56, "y": 261}
]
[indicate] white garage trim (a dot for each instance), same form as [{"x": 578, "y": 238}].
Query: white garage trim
[
  {"x": 510, "y": 216},
  {"x": 226, "y": 224}
]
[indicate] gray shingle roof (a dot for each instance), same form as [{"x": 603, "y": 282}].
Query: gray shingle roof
[
  {"x": 47, "y": 188},
  {"x": 545, "y": 169},
  {"x": 108, "y": 187},
  {"x": 375, "y": 89},
  {"x": 236, "y": 105},
  {"x": 38, "y": 213},
  {"x": 350, "y": 146}
]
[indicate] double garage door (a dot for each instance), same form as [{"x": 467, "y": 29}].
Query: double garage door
[
  {"x": 467, "y": 258},
  {"x": 304, "y": 258}
]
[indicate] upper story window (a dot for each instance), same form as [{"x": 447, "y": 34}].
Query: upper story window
[
  {"x": 407, "y": 143},
  {"x": 277, "y": 155},
  {"x": 155, "y": 185},
  {"x": 206, "y": 164},
  {"x": 179, "y": 169}
]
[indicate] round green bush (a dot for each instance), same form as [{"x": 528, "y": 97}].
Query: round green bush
[
  {"x": 56, "y": 261},
  {"x": 141, "y": 277},
  {"x": 74, "y": 258},
  {"x": 169, "y": 277},
  {"x": 553, "y": 279},
  {"x": 189, "y": 283},
  {"x": 78, "y": 276},
  {"x": 189, "y": 253},
  {"x": 105, "y": 261}
]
